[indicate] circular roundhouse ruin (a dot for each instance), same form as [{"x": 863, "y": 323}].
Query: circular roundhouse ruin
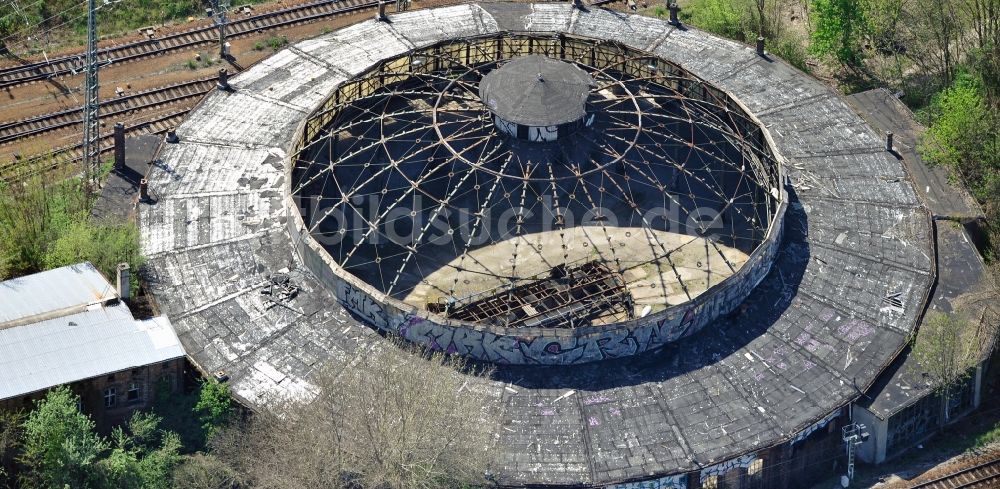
[{"x": 674, "y": 250}]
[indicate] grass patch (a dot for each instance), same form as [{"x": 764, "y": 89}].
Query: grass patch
[
  {"x": 273, "y": 42},
  {"x": 988, "y": 437},
  {"x": 277, "y": 42},
  {"x": 67, "y": 19}
]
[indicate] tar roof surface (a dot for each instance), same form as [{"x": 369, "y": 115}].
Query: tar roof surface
[
  {"x": 963, "y": 286},
  {"x": 536, "y": 91},
  {"x": 855, "y": 232},
  {"x": 962, "y": 279}
]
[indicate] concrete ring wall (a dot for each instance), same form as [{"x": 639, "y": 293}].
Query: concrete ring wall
[{"x": 521, "y": 346}]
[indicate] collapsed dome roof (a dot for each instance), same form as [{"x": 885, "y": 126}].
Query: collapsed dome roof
[
  {"x": 669, "y": 190},
  {"x": 536, "y": 91}
]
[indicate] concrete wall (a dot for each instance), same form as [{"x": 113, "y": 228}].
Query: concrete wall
[
  {"x": 533, "y": 345},
  {"x": 873, "y": 450}
]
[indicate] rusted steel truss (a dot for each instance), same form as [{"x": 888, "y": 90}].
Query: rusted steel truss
[
  {"x": 411, "y": 135},
  {"x": 568, "y": 298}
]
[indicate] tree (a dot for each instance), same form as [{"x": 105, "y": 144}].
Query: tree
[
  {"x": 964, "y": 135},
  {"x": 947, "y": 347},
  {"x": 45, "y": 224},
  {"x": 204, "y": 471},
  {"x": 10, "y": 439},
  {"x": 214, "y": 407},
  {"x": 935, "y": 40},
  {"x": 143, "y": 456},
  {"x": 985, "y": 18},
  {"x": 60, "y": 447},
  {"x": 407, "y": 422},
  {"x": 838, "y": 28}
]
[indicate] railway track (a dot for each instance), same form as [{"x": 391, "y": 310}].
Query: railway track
[
  {"x": 300, "y": 14},
  {"x": 73, "y": 64},
  {"x": 984, "y": 475},
  {"x": 112, "y": 109},
  {"x": 19, "y": 170}
]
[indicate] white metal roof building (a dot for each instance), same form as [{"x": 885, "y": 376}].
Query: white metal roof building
[{"x": 69, "y": 324}]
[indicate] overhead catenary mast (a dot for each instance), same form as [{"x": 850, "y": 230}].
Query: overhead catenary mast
[
  {"x": 91, "y": 123},
  {"x": 219, "y": 9}
]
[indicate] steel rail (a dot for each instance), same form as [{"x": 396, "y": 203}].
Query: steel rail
[
  {"x": 34, "y": 126},
  {"x": 73, "y": 64},
  {"x": 19, "y": 170},
  {"x": 979, "y": 474}
]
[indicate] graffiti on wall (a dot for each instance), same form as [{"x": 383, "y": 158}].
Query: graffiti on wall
[
  {"x": 624, "y": 340},
  {"x": 668, "y": 482},
  {"x": 815, "y": 426},
  {"x": 720, "y": 470},
  {"x": 362, "y": 304}
]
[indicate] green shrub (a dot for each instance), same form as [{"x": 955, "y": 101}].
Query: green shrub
[
  {"x": 792, "y": 50},
  {"x": 214, "y": 406},
  {"x": 963, "y": 135},
  {"x": 727, "y": 18},
  {"x": 276, "y": 42},
  {"x": 60, "y": 447},
  {"x": 838, "y": 28},
  {"x": 46, "y": 225},
  {"x": 204, "y": 471},
  {"x": 33, "y": 215}
]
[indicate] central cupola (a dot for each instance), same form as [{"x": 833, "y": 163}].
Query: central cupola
[{"x": 537, "y": 98}]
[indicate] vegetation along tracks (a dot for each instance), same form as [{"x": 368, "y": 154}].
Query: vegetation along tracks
[
  {"x": 73, "y": 64},
  {"x": 984, "y": 475}
]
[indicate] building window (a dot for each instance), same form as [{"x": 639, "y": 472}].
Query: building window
[
  {"x": 133, "y": 393},
  {"x": 912, "y": 424},
  {"x": 110, "y": 397},
  {"x": 167, "y": 382},
  {"x": 755, "y": 467}
]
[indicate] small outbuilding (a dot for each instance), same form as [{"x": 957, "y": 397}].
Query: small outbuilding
[{"x": 71, "y": 326}]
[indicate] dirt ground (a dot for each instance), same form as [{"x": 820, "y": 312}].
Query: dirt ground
[
  {"x": 34, "y": 99},
  {"x": 69, "y": 44}
]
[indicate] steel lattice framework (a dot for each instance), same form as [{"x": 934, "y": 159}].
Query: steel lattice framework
[{"x": 405, "y": 179}]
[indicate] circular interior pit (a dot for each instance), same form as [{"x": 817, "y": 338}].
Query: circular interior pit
[{"x": 595, "y": 186}]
